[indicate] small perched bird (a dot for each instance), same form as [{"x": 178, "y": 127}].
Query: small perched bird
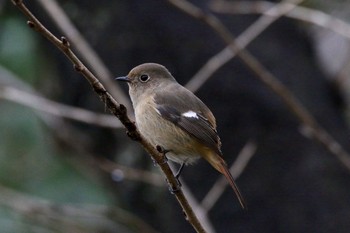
[{"x": 170, "y": 116}]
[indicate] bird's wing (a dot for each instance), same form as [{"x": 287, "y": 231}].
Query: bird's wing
[{"x": 187, "y": 112}]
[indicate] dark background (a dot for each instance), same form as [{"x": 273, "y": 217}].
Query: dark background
[{"x": 292, "y": 183}]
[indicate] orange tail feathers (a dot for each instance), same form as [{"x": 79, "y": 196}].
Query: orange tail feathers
[{"x": 219, "y": 164}]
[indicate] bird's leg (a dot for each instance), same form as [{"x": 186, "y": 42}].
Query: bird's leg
[
  {"x": 177, "y": 176},
  {"x": 172, "y": 189},
  {"x": 163, "y": 151},
  {"x": 178, "y": 173}
]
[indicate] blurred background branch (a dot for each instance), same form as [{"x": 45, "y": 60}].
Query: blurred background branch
[
  {"x": 72, "y": 217},
  {"x": 243, "y": 40},
  {"x": 59, "y": 110},
  {"x": 313, "y": 16}
]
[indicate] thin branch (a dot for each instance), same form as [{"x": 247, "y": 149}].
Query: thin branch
[
  {"x": 241, "y": 7},
  {"x": 120, "y": 172},
  {"x": 315, "y": 17},
  {"x": 8, "y": 78},
  {"x": 342, "y": 77},
  {"x": 57, "y": 109},
  {"x": 293, "y": 104},
  {"x": 243, "y": 40},
  {"x": 84, "y": 49},
  {"x": 117, "y": 109}
]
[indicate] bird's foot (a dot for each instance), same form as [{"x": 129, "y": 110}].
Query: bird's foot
[
  {"x": 177, "y": 177},
  {"x": 176, "y": 188},
  {"x": 178, "y": 173},
  {"x": 163, "y": 151},
  {"x": 160, "y": 149},
  {"x": 172, "y": 188}
]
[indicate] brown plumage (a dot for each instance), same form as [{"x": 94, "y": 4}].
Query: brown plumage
[{"x": 169, "y": 115}]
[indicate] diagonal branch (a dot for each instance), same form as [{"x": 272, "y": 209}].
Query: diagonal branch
[
  {"x": 270, "y": 13},
  {"x": 243, "y": 40},
  {"x": 120, "y": 172},
  {"x": 115, "y": 108},
  {"x": 294, "y": 105},
  {"x": 315, "y": 17}
]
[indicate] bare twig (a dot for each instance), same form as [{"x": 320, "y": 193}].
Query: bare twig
[
  {"x": 57, "y": 109},
  {"x": 117, "y": 109},
  {"x": 84, "y": 49},
  {"x": 119, "y": 172},
  {"x": 243, "y": 40},
  {"x": 293, "y": 104},
  {"x": 315, "y": 17},
  {"x": 241, "y": 7}
]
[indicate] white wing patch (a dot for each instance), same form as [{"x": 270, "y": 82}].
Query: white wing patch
[
  {"x": 190, "y": 114},
  {"x": 157, "y": 111}
]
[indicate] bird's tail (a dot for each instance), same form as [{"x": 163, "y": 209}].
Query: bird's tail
[{"x": 219, "y": 164}]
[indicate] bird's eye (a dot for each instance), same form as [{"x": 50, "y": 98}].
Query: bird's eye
[{"x": 144, "y": 78}]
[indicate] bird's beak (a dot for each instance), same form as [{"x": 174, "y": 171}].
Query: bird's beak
[{"x": 123, "y": 78}]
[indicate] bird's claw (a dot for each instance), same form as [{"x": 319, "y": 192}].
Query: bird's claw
[
  {"x": 161, "y": 150},
  {"x": 176, "y": 188}
]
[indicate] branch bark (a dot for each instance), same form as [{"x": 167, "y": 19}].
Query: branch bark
[
  {"x": 312, "y": 16},
  {"x": 243, "y": 40}
]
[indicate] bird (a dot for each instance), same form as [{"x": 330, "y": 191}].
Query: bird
[{"x": 171, "y": 117}]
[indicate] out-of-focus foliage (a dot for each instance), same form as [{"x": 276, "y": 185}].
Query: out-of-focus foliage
[{"x": 17, "y": 46}]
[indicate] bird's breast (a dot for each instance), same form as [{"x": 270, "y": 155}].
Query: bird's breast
[{"x": 159, "y": 131}]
